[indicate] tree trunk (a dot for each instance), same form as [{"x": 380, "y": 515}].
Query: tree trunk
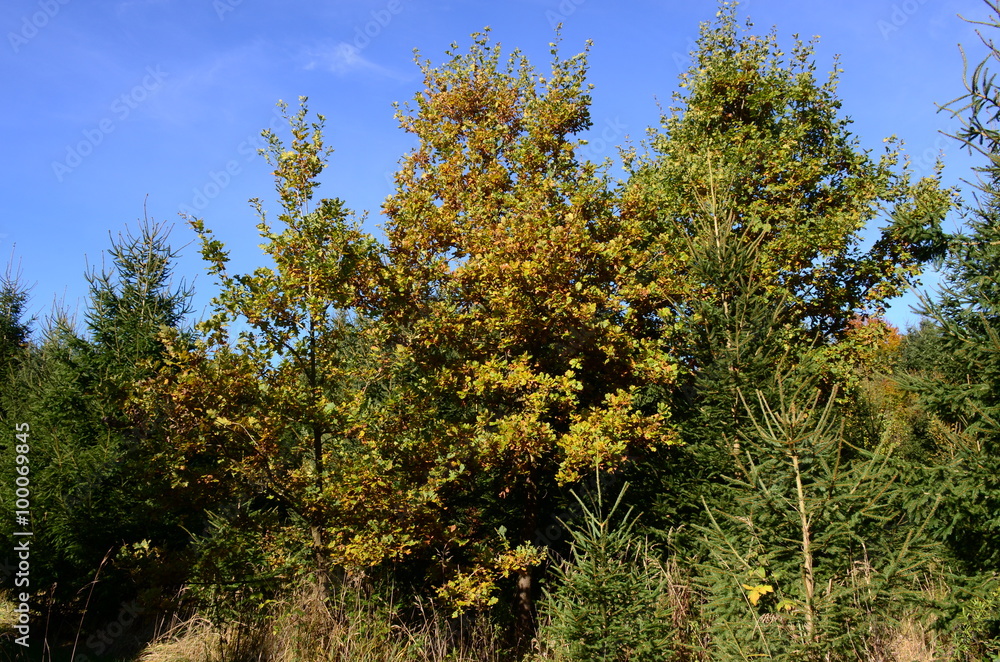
[
  {"x": 524, "y": 599},
  {"x": 524, "y": 610},
  {"x": 319, "y": 557},
  {"x": 807, "y": 556}
]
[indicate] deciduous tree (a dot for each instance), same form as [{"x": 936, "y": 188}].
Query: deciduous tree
[{"x": 506, "y": 263}]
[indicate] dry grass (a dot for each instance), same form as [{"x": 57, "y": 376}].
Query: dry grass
[
  {"x": 196, "y": 640},
  {"x": 8, "y": 617},
  {"x": 345, "y": 625},
  {"x": 349, "y": 624},
  {"x": 913, "y": 642},
  {"x": 199, "y": 640}
]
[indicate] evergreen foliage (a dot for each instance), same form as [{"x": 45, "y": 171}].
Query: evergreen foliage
[
  {"x": 95, "y": 490},
  {"x": 813, "y": 556},
  {"x": 412, "y": 411},
  {"x": 958, "y": 373},
  {"x": 15, "y": 329},
  {"x": 611, "y": 601}
]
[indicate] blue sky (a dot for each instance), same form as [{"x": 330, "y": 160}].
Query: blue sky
[{"x": 113, "y": 105}]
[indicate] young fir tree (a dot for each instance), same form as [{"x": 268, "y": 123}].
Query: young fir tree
[
  {"x": 812, "y": 557},
  {"x": 15, "y": 334},
  {"x": 129, "y": 304},
  {"x": 958, "y": 369},
  {"x": 15, "y": 328},
  {"x": 95, "y": 490},
  {"x": 611, "y": 601}
]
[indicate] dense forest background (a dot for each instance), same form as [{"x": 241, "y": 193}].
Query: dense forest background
[{"x": 546, "y": 414}]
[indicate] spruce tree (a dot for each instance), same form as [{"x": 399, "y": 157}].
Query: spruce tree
[
  {"x": 96, "y": 487},
  {"x": 956, "y": 370},
  {"x": 15, "y": 327},
  {"x": 811, "y": 554}
]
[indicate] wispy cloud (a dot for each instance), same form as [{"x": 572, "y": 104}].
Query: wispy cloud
[
  {"x": 344, "y": 58},
  {"x": 213, "y": 82}
]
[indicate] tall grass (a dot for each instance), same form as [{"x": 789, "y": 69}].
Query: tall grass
[{"x": 344, "y": 623}]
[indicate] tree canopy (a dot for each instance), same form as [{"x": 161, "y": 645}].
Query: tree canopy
[{"x": 444, "y": 407}]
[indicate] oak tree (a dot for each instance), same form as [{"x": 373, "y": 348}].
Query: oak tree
[
  {"x": 505, "y": 267},
  {"x": 263, "y": 398}
]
